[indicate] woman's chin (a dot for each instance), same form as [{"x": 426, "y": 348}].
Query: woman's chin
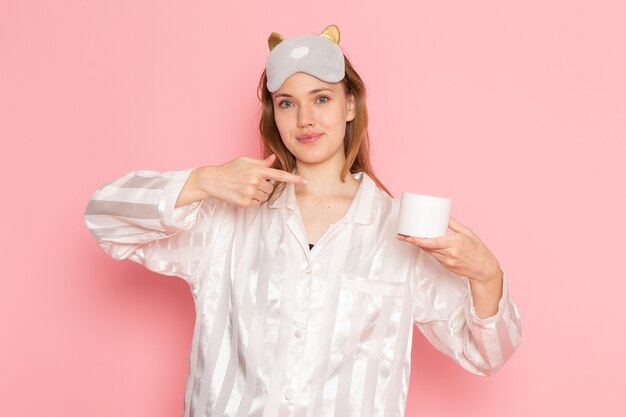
[
  {"x": 310, "y": 159},
  {"x": 316, "y": 155}
]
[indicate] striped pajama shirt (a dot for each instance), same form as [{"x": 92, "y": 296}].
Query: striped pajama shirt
[{"x": 284, "y": 330}]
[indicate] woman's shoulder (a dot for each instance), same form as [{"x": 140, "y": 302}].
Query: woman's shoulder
[
  {"x": 383, "y": 204},
  {"x": 369, "y": 182}
]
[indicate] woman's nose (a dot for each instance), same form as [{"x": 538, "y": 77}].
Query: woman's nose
[{"x": 305, "y": 116}]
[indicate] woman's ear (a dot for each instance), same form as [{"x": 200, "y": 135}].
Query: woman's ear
[{"x": 351, "y": 108}]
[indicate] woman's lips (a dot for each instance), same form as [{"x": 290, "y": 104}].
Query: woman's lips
[{"x": 308, "y": 138}]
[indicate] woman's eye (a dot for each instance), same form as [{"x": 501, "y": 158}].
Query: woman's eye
[{"x": 286, "y": 103}]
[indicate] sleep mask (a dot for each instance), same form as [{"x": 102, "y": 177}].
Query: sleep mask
[{"x": 316, "y": 55}]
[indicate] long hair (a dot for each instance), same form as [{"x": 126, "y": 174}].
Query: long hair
[{"x": 356, "y": 141}]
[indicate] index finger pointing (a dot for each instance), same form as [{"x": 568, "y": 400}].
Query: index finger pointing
[{"x": 284, "y": 176}]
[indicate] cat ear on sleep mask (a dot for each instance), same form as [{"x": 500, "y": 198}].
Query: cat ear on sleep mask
[{"x": 316, "y": 55}]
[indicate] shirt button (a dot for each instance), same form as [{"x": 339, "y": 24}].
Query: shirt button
[
  {"x": 289, "y": 394},
  {"x": 308, "y": 269},
  {"x": 298, "y": 333}
]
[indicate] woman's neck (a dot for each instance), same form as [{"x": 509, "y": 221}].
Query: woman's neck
[{"x": 324, "y": 179}]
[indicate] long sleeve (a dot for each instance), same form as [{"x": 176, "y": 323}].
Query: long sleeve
[
  {"x": 444, "y": 313},
  {"x": 134, "y": 218}
]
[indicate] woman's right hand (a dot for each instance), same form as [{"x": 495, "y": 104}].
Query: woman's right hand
[{"x": 242, "y": 182}]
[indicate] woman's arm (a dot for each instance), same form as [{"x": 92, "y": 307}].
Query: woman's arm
[
  {"x": 468, "y": 314},
  {"x": 165, "y": 220},
  {"x": 135, "y": 218},
  {"x": 444, "y": 311}
]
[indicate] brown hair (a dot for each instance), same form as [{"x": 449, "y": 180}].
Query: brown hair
[{"x": 356, "y": 140}]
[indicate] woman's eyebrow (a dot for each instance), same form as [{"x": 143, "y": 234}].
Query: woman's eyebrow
[{"x": 317, "y": 90}]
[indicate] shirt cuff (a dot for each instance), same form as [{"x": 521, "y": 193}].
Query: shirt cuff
[
  {"x": 179, "y": 218},
  {"x": 501, "y": 304}
]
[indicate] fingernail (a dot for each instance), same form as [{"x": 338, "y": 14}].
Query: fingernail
[{"x": 304, "y": 181}]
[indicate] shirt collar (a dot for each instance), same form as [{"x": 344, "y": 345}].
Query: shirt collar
[{"x": 361, "y": 209}]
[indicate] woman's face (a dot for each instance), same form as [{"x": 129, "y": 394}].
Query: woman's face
[{"x": 311, "y": 116}]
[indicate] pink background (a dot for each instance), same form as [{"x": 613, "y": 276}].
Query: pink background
[{"x": 515, "y": 110}]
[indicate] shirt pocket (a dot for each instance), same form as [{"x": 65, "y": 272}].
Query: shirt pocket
[{"x": 368, "y": 317}]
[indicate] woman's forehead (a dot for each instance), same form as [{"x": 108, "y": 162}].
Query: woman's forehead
[{"x": 301, "y": 83}]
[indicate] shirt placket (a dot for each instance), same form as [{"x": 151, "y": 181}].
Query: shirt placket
[{"x": 298, "y": 332}]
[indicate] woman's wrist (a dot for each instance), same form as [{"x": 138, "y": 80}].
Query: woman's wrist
[{"x": 193, "y": 189}]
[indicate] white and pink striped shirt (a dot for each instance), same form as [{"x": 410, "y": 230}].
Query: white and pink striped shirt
[{"x": 284, "y": 330}]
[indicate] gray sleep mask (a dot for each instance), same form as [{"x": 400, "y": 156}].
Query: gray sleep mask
[{"x": 316, "y": 55}]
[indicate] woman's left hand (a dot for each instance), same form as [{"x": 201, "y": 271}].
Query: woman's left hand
[{"x": 461, "y": 252}]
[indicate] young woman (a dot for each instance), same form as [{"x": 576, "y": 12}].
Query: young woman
[{"x": 305, "y": 294}]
